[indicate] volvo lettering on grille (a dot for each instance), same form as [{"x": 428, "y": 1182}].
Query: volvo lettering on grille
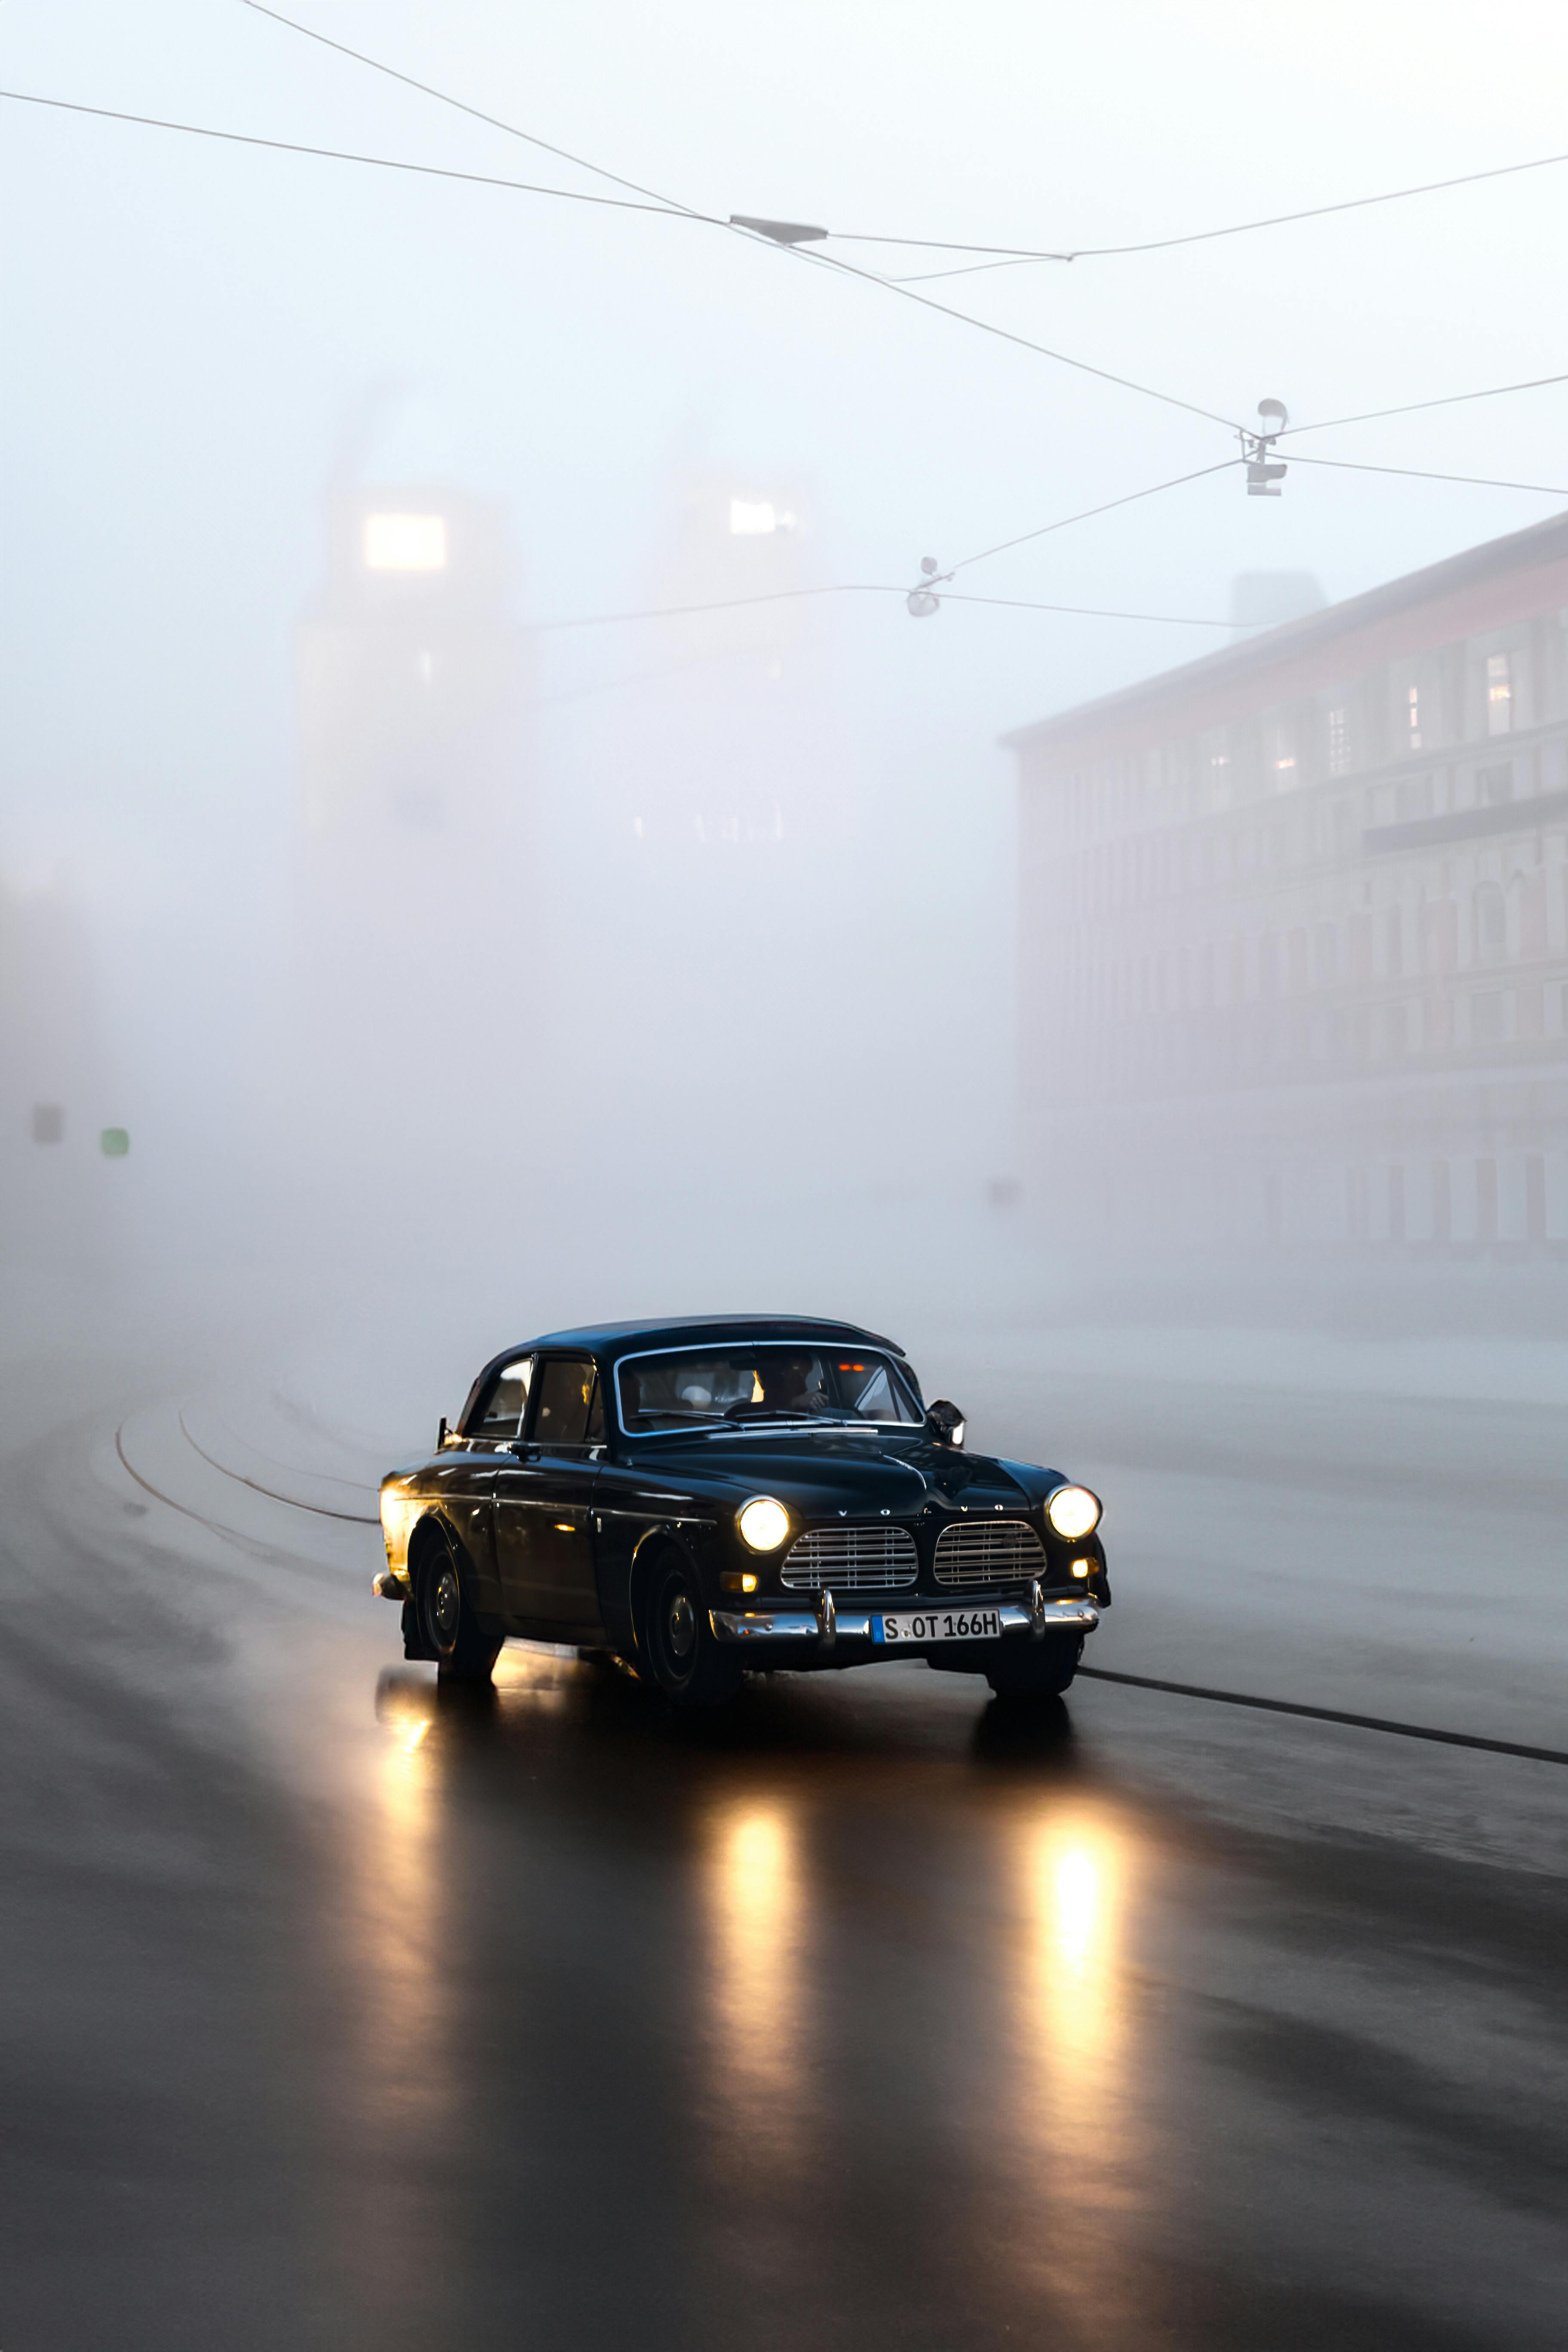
[
  {"x": 850, "y": 1560},
  {"x": 989, "y": 1551}
]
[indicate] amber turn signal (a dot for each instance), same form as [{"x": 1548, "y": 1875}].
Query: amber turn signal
[
  {"x": 1083, "y": 1568},
  {"x": 735, "y": 1579}
]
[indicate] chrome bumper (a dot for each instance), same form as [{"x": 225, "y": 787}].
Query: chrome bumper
[{"x": 827, "y": 1623}]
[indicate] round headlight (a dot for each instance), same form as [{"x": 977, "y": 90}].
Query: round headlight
[
  {"x": 765, "y": 1523},
  {"x": 1073, "y": 1512}
]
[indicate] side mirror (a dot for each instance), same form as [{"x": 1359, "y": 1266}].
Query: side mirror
[
  {"x": 944, "y": 1424},
  {"x": 440, "y": 1433}
]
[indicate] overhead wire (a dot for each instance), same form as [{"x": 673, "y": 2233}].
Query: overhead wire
[
  {"x": 1013, "y": 257},
  {"x": 1412, "y": 407},
  {"x": 1088, "y": 514},
  {"x": 1421, "y": 473},
  {"x": 983, "y": 326},
  {"x": 395, "y": 73},
  {"x": 863, "y": 588},
  {"x": 349, "y": 155}
]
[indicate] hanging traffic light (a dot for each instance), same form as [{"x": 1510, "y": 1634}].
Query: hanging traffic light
[{"x": 1264, "y": 476}]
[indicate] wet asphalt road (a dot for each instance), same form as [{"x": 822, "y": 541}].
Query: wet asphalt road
[{"x": 339, "y": 2010}]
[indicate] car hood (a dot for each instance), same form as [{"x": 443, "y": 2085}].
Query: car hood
[{"x": 820, "y": 1476}]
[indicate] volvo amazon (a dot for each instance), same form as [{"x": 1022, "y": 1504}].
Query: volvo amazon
[{"x": 716, "y": 1496}]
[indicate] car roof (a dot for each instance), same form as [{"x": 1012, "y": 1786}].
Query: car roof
[{"x": 680, "y": 1330}]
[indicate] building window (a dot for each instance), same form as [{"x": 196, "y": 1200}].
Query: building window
[
  {"x": 1326, "y": 959},
  {"x": 1494, "y": 785},
  {"x": 1413, "y": 717},
  {"x": 1395, "y": 942},
  {"x": 1500, "y": 694},
  {"x": 1491, "y": 923},
  {"x": 1487, "y": 1018},
  {"x": 1339, "y": 740}
]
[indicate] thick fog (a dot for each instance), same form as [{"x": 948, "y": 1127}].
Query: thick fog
[{"x": 416, "y": 941}]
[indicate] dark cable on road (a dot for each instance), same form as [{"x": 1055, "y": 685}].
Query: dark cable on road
[
  {"x": 1333, "y": 1714},
  {"x": 359, "y": 1518}
]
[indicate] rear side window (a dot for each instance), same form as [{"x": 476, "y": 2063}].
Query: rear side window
[
  {"x": 504, "y": 1402},
  {"x": 563, "y": 1401}
]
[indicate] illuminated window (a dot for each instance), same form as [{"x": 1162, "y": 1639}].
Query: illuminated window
[
  {"x": 405, "y": 542},
  {"x": 1499, "y": 694},
  {"x": 1413, "y": 716},
  {"x": 757, "y": 519}
]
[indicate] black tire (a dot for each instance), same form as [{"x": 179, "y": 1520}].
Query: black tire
[
  {"x": 463, "y": 1651},
  {"x": 1043, "y": 1669},
  {"x": 688, "y": 1666}
]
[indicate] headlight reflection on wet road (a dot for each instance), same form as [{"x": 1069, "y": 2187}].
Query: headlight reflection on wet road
[
  {"x": 1077, "y": 2112},
  {"x": 754, "y": 1903}
]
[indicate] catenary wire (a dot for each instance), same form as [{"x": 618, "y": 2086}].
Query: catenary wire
[
  {"x": 821, "y": 261},
  {"x": 1420, "y": 474},
  {"x": 382, "y": 162},
  {"x": 1088, "y": 513},
  {"x": 619, "y": 203},
  {"x": 1410, "y": 408},
  {"x": 863, "y": 588},
  {"x": 1023, "y": 343},
  {"x": 1014, "y": 258},
  {"x": 377, "y": 64}
]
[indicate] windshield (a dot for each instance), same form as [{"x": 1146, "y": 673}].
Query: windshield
[{"x": 741, "y": 1384}]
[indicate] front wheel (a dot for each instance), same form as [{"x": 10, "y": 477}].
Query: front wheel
[
  {"x": 1035, "y": 1669},
  {"x": 688, "y": 1663},
  {"x": 464, "y": 1651}
]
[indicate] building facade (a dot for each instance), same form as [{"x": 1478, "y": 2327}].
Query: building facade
[{"x": 1294, "y": 929}]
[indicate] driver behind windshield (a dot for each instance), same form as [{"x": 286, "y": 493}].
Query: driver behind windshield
[{"x": 783, "y": 1383}]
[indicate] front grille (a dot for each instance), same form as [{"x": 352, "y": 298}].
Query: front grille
[
  {"x": 989, "y": 1551},
  {"x": 850, "y": 1560}
]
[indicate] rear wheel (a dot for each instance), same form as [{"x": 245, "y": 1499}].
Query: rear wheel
[
  {"x": 1035, "y": 1669},
  {"x": 464, "y": 1651},
  {"x": 688, "y": 1663}
]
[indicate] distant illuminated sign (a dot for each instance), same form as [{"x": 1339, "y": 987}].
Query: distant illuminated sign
[
  {"x": 758, "y": 518},
  {"x": 114, "y": 1143},
  {"x": 406, "y": 543}
]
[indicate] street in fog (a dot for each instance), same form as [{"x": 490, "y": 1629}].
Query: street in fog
[
  {"x": 351, "y": 2008},
  {"x": 768, "y": 679}
]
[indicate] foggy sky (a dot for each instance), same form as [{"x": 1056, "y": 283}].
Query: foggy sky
[{"x": 192, "y": 331}]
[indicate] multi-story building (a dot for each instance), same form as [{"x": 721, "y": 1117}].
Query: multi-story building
[{"x": 1294, "y": 926}]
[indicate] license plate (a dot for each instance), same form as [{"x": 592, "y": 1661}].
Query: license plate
[{"x": 938, "y": 1625}]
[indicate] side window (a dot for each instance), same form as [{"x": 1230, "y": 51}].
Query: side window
[
  {"x": 562, "y": 1398},
  {"x": 504, "y": 1402},
  {"x": 596, "y": 1416}
]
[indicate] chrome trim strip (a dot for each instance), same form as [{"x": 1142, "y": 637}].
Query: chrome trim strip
[{"x": 798, "y": 1625}]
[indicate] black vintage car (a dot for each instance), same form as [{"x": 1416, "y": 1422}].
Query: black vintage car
[{"x": 716, "y": 1495}]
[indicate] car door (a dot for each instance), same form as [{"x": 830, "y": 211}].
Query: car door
[
  {"x": 466, "y": 1479},
  {"x": 545, "y": 1524}
]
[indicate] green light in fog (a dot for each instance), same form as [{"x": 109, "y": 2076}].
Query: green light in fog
[{"x": 115, "y": 1143}]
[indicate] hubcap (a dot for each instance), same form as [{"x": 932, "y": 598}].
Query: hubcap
[
  {"x": 682, "y": 1624},
  {"x": 446, "y": 1606}
]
